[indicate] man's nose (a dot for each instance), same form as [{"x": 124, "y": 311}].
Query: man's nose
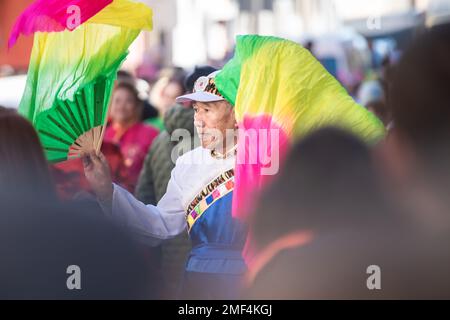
[
  {"x": 199, "y": 124},
  {"x": 198, "y": 121}
]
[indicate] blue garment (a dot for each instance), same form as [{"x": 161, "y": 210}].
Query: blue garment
[
  {"x": 217, "y": 241},
  {"x": 199, "y": 196},
  {"x": 215, "y": 266}
]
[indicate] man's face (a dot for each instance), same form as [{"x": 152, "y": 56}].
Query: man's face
[{"x": 213, "y": 121}]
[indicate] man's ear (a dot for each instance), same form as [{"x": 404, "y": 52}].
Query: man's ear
[
  {"x": 231, "y": 109},
  {"x": 234, "y": 117}
]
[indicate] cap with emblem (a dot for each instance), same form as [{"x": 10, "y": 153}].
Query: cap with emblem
[{"x": 204, "y": 90}]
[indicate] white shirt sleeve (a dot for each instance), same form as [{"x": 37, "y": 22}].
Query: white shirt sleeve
[{"x": 151, "y": 223}]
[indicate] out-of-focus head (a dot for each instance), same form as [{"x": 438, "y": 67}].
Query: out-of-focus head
[
  {"x": 47, "y": 247},
  {"x": 169, "y": 93},
  {"x": 23, "y": 167},
  {"x": 125, "y": 76},
  {"x": 327, "y": 181},
  {"x": 126, "y": 107},
  {"x": 419, "y": 98},
  {"x": 169, "y": 85}
]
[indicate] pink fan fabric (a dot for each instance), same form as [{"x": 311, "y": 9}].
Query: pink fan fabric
[
  {"x": 54, "y": 16},
  {"x": 258, "y": 160}
]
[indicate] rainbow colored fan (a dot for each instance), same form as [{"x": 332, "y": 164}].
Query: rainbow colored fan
[{"x": 78, "y": 47}]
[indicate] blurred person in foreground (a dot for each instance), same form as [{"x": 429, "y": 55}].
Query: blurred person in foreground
[
  {"x": 24, "y": 169},
  {"x": 155, "y": 176},
  {"x": 416, "y": 154},
  {"x": 338, "y": 235},
  {"x": 316, "y": 223},
  {"x": 402, "y": 236},
  {"x": 415, "y": 159},
  {"x": 40, "y": 237},
  {"x": 417, "y": 151},
  {"x": 59, "y": 251}
]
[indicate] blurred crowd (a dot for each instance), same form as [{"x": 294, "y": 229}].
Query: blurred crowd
[{"x": 337, "y": 207}]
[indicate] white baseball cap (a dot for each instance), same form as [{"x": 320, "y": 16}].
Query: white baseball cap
[{"x": 204, "y": 90}]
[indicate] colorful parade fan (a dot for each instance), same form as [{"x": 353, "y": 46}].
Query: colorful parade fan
[
  {"x": 281, "y": 93},
  {"x": 72, "y": 69}
]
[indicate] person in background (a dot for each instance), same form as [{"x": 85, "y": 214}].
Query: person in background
[
  {"x": 155, "y": 176},
  {"x": 375, "y": 57},
  {"x": 148, "y": 110},
  {"x": 126, "y": 131},
  {"x": 309, "y": 45},
  {"x": 169, "y": 86},
  {"x": 372, "y": 95}
]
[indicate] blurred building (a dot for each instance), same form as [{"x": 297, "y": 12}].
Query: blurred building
[
  {"x": 153, "y": 49},
  {"x": 437, "y": 12},
  {"x": 191, "y": 32},
  {"x": 206, "y": 32},
  {"x": 17, "y": 58}
]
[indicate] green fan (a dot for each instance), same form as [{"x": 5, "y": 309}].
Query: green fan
[
  {"x": 71, "y": 76},
  {"x": 72, "y": 128}
]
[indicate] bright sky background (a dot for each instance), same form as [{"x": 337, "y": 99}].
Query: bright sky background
[{"x": 353, "y": 9}]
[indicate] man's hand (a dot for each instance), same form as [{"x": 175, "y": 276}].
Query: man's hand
[{"x": 96, "y": 170}]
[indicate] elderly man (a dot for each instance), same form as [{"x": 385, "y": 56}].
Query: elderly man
[{"x": 198, "y": 197}]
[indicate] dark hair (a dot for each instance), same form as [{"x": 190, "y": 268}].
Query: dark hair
[
  {"x": 174, "y": 75},
  {"x": 179, "y": 82},
  {"x": 40, "y": 240},
  {"x": 420, "y": 99},
  {"x": 131, "y": 88},
  {"x": 24, "y": 168},
  {"x": 124, "y": 74},
  {"x": 195, "y": 74},
  {"x": 380, "y": 109}
]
